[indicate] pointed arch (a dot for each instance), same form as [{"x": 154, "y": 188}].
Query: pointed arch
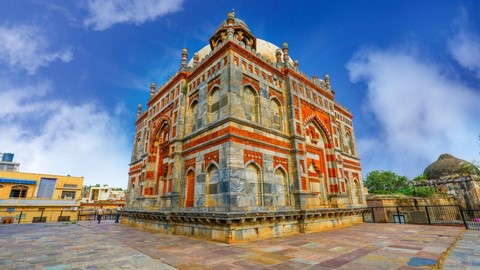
[
  {"x": 158, "y": 128},
  {"x": 349, "y": 144},
  {"x": 250, "y": 103},
  {"x": 276, "y": 113},
  {"x": 192, "y": 116},
  {"x": 253, "y": 177},
  {"x": 211, "y": 184},
  {"x": 348, "y": 185},
  {"x": 282, "y": 186},
  {"x": 214, "y": 104},
  {"x": 315, "y": 134},
  {"x": 314, "y": 118},
  {"x": 358, "y": 190},
  {"x": 131, "y": 195},
  {"x": 190, "y": 189}
]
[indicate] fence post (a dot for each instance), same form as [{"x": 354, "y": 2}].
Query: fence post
[
  {"x": 373, "y": 214},
  {"x": 398, "y": 215},
  {"x": 463, "y": 217},
  {"x": 20, "y": 218},
  {"x": 41, "y": 216},
  {"x": 428, "y": 215},
  {"x": 78, "y": 215}
]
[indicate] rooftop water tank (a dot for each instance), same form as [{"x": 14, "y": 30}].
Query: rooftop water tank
[{"x": 7, "y": 157}]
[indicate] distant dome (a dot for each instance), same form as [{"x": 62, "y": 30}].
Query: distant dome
[{"x": 448, "y": 165}]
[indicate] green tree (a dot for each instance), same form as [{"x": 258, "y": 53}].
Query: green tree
[
  {"x": 420, "y": 177},
  {"x": 385, "y": 182},
  {"x": 425, "y": 192}
]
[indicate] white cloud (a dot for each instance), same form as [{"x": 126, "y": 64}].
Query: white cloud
[
  {"x": 421, "y": 112},
  {"x": 57, "y": 137},
  {"x": 105, "y": 13},
  {"x": 465, "y": 46},
  {"x": 24, "y": 47}
]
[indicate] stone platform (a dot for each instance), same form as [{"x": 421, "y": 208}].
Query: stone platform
[
  {"x": 88, "y": 245},
  {"x": 241, "y": 227}
]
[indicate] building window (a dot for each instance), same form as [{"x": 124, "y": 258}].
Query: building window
[
  {"x": 19, "y": 192},
  {"x": 63, "y": 218},
  {"x": 68, "y": 195},
  {"x": 214, "y": 104},
  {"x": 46, "y": 188},
  {"x": 250, "y": 104}
]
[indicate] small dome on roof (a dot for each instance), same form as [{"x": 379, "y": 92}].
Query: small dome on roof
[
  {"x": 265, "y": 48},
  {"x": 448, "y": 165},
  {"x": 241, "y": 33},
  {"x": 236, "y": 23}
]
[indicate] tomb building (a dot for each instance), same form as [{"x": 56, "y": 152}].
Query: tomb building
[{"x": 240, "y": 145}]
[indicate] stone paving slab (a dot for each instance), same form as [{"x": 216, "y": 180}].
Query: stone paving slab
[
  {"x": 466, "y": 253},
  {"x": 88, "y": 245}
]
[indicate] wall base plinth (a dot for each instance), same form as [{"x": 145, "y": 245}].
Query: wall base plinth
[{"x": 238, "y": 227}]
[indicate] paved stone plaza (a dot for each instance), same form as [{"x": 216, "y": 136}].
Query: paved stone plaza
[{"x": 88, "y": 245}]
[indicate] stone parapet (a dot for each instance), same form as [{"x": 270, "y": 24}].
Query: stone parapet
[{"x": 447, "y": 180}]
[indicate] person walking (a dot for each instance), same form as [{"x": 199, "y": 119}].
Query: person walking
[
  {"x": 119, "y": 209},
  {"x": 100, "y": 213}
]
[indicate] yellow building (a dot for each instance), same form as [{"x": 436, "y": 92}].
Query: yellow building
[{"x": 33, "y": 197}]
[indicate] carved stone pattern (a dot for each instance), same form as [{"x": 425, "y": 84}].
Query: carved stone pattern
[
  {"x": 253, "y": 82},
  {"x": 274, "y": 92},
  {"x": 304, "y": 183},
  {"x": 212, "y": 156},
  {"x": 298, "y": 129},
  {"x": 212, "y": 83},
  {"x": 252, "y": 155},
  {"x": 280, "y": 161},
  {"x": 150, "y": 175},
  {"x": 189, "y": 163}
]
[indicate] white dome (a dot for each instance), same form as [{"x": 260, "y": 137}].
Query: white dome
[{"x": 265, "y": 48}]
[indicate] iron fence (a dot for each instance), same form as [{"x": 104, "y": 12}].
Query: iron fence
[{"x": 448, "y": 215}]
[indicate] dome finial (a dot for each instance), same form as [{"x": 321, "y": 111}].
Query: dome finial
[{"x": 231, "y": 14}]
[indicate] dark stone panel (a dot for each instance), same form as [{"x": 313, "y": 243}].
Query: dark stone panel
[
  {"x": 200, "y": 178},
  {"x": 213, "y": 188},
  {"x": 223, "y": 101},
  {"x": 268, "y": 201},
  {"x": 224, "y": 186},
  {"x": 267, "y": 188}
]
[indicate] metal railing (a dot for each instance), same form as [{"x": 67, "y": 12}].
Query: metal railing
[
  {"x": 108, "y": 214},
  {"x": 36, "y": 216},
  {"x": 449, "y": 215}
]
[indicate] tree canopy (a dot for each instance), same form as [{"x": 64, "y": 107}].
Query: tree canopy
[{"x": 385, "y": 182}]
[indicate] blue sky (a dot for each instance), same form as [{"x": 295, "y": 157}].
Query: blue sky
[{"x": 72, "y": 74}]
